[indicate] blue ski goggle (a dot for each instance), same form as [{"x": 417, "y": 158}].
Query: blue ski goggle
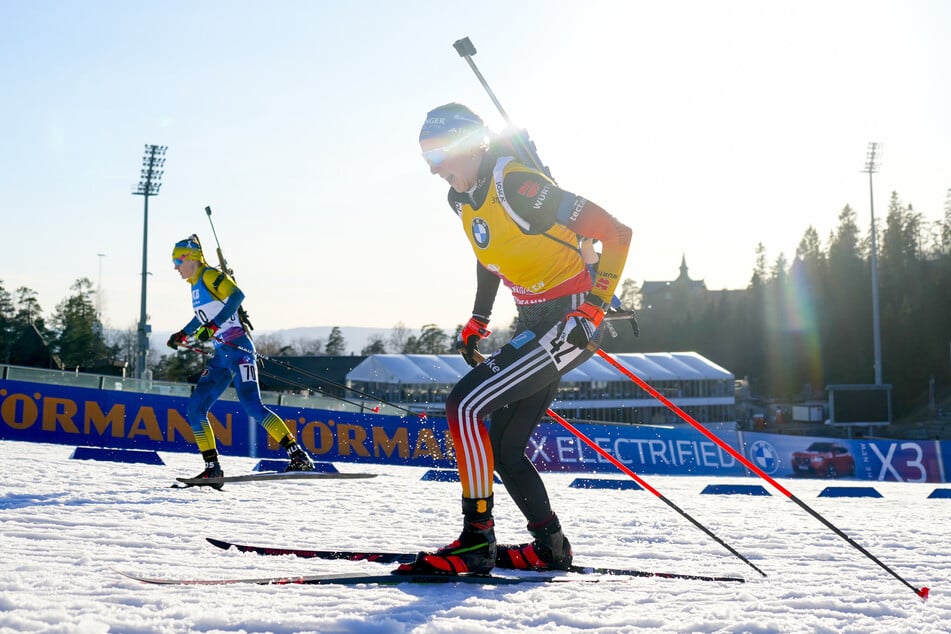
[{"x": 437, "y": 156}]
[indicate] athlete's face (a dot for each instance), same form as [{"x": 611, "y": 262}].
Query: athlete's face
[
  {"x": 458, "y": 168},
  {"x": 186, "y": 268}
]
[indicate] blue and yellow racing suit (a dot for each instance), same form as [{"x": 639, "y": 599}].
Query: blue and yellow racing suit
[{"x": 216, "y": 298}]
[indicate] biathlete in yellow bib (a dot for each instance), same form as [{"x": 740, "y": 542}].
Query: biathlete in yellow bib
[
  {"x": 216, "y": 300},
  {"x": 524, "y": 231}
]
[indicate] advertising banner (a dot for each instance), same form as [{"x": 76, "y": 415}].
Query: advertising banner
[
  {"x": 80, "y": 416},
  {"x": 782, "y": 456},
  {"x": 643, "y": 449},
  {"x": 116, "y": 419}
]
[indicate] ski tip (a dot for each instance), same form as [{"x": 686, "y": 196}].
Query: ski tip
[
  {"x": 923, "y": 593},
  {"x": 217, "y": 542}
]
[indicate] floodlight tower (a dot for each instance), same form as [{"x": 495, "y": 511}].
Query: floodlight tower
[
  {"x": 872, "y": 160},
  {"x": 99, "y": 289},
  {"x": 149, "y": 185}
]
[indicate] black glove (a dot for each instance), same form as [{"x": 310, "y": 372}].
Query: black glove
[
  {"x": 468, "y": 342},
  {"x": 177, "y": 339},
  {"x": 206, "y": 331}
]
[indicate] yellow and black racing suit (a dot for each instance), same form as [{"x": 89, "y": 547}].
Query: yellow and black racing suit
[{"x": 524, "y": 231}]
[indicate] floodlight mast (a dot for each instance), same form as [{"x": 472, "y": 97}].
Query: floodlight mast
[
  {"x": 149, "y": 185},
  {"x": 872, "y": 161}
]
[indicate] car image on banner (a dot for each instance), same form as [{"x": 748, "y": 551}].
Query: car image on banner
[{"x": 823, "y": 459}]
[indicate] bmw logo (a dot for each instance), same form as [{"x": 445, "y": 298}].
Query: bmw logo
[
  {"x": 764, "y": 456},
  {"x": 480, "y": 232}
]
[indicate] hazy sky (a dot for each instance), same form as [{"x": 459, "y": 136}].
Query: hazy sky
[{"x": 706, "y": 126}]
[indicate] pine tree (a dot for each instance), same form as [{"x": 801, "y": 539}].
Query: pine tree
[
  {"x": 182, "y": 365},
  {"x": 30, "y": 346},
  {"x": 432, "y": 340},
  {"x": 79, "y": 338},
  {"x": 7, "y": 329},
  {"x": 375, "y": 345},
  {"x": 336, "y": 344}
]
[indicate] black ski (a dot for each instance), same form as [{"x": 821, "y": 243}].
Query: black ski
[
  {"x": 264, "y": 476},
  {"x": 354, "y": 580},
  {"x": 399, "y": 558}
]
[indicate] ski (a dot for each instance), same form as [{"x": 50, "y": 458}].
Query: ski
[
  {"x": 399, "y": 558},
  {"x": 264, "y": 476},
  {"x": 355, "y": 580}
]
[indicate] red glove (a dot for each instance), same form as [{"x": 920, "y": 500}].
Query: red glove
[
  {"x": 580, "y": 324},
  {"x": 178, "y": 338},
  {"x": 468, "y": 341}
]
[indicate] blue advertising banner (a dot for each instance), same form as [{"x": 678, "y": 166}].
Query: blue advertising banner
[
  {"x": 643, "y": 449},
  {"x": 881, "y": 460},
  {"x": 127, "y": 420},
  {"x": 81, "y": 416},
  {"x": 116, "y": 419}
]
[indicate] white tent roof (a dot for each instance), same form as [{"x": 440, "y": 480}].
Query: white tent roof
[
  {"x": 449, "y": 368},
  {"x": 390, "y": 368}
]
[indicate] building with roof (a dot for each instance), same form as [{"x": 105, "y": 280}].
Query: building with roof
[
  {"x": 594, "y": 391},
  {"x": 679, "y": 296}
]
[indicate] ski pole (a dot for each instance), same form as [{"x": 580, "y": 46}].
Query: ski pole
[
  {"x": 617, "y": 463},
  {"x": 202, "y": 351},
  {"x": 620, "y": 465},
  {"x": 319, "y": 377},
  {"x": 921, "y": 592}
]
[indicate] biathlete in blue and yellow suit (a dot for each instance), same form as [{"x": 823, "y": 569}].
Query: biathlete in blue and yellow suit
[
  {"x": 525, "y": 232},
  {"x": 216, "y": 300}
]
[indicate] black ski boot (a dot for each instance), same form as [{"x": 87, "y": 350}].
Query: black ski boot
[
  {"x": 472, "y": 554},
  {"x": 300, "y": 461},
  {"x": 212, "y": 470},
  {"x": 549, "y": 551}
]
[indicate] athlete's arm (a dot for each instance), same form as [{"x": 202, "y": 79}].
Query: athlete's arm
[
  {"x": 590, "y": 220},
  {"x": 224, "y": 289},
  {"x": 191, "y": 326},
  {"x": 487, "y": 287}
]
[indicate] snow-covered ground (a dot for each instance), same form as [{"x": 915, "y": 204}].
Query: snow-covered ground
[{"x": 67, "y": 525}]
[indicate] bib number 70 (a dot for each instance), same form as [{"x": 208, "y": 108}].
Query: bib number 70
[{"x": 248, "y": 373}]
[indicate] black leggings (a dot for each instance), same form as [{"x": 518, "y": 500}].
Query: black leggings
[{"x": 516, "y": 386}]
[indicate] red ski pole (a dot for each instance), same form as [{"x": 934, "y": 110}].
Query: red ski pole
[
  {"x": 921, "y": 592},
  {"x": 620, "y": 465},
  {"x": 617, "y": 463}
]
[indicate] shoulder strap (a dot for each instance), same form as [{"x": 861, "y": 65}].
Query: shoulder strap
[{"x": 498, "y": 174}]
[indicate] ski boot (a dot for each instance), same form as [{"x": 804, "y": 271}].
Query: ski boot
[
  {"x": 550, "y": 549},
  {"x": 300, "y": 461},
  {"x": 212, "y": 470},
  {"x": 472, "y": 554}
]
